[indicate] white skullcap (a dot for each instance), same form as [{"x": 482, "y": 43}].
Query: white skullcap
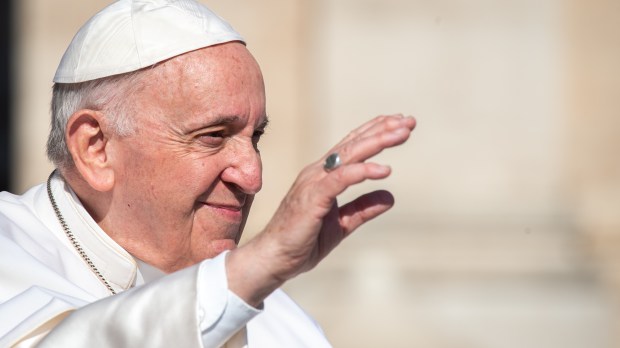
[{"x": 132, "y": 34}]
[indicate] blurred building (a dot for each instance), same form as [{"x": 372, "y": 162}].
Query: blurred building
[{"x": 506, "y": 231}]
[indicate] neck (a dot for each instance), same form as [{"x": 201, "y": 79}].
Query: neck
[{"x": 96, "y": 203}]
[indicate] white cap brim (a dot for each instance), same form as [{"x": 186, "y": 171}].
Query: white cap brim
[{"x": 130, "y": 35}]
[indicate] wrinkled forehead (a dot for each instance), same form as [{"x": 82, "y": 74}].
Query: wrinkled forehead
[
  {"x": 222, "y": 57},
  {"x": 210, "y": 69},
  {"x": 223, "y": 80}
]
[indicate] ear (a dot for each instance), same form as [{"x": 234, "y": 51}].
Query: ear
[{"x": 87, "y": 141}]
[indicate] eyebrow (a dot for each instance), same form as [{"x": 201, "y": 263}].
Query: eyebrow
[
  {"x": 229, "y": 119},
  {"x": 217, "y": 121},
  {"x": 224, "y": 120}
]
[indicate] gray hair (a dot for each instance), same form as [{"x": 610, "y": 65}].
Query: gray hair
[{"x": 111, "y": 95}]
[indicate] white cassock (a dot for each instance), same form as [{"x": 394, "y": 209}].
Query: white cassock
[{"x": 49, "y": 296}]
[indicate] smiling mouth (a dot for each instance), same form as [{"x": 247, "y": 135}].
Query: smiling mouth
[
  {"x": 234, "y": 208},
  {"x": 232, "y": 213}
]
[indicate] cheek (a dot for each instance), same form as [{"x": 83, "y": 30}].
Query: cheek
[
  {"x": 160, "y": 180},
  {"x": 171, "y": 175},
  {"x": 188, "y": 181},
  {"x": 137, "y": 159},
  {"x": 193, "y": 178}
]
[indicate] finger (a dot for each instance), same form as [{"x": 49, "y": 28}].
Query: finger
[
  {"x": 363, "y": 209},
  {"x": 364, "y": 148},
  {"x": 374, "y": 126},
  {"x": 336, "y": 182},
  {"x": 367, "y": 125},
  {"x": 387, "y": 123}
]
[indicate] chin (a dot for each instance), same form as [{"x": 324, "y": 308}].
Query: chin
[{"x": 219, "y": 246}]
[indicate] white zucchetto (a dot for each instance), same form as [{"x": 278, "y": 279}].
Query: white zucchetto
[{"x": 129, "y": 35}]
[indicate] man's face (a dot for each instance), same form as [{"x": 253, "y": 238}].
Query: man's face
[{"x": 185, "y": 181}]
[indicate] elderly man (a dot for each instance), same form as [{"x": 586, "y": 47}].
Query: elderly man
[{"x": 157, "y": 114}]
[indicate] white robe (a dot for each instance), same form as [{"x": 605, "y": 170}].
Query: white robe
[{"x": 50, "y": 297}]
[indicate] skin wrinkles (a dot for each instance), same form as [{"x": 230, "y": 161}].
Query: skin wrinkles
[
  {"x": 181, "y": 189},
  {"x": 211, "y": 138},
  {"x": 184, "y": 184}
]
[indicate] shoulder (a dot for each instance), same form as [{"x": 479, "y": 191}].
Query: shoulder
[
  {"x": 22, "y": 216},
  {"x": 16, "y": 207},
  {"x": 30, "y": 252}
]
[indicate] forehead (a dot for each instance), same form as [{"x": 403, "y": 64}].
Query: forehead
[{"x": 222, "y": 80}]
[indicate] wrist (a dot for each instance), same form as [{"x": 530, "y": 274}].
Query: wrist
[{"x": 248, "y": 274}]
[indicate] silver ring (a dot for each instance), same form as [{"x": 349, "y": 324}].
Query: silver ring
[{"x": 332, "y": 162}]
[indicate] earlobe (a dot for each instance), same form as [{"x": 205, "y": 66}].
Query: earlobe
[{"x": 88, "y": 143}]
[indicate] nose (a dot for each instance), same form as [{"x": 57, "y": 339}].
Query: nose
[{"x": 245, "y": 169}]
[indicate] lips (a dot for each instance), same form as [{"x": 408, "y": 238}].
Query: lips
[
  {"x": 228, "y": 211},
  {"x": 230, "y": 207}
]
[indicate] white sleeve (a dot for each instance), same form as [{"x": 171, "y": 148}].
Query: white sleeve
[
  {"x": 221, "y": 313},
  {"x": 188, "y": 308},
  {"x": 159, "y": 314}
]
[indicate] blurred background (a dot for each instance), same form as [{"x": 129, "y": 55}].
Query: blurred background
[{"x": 506, "y": 231}]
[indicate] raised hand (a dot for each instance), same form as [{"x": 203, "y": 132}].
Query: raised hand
[{"x": 309, "y": 222}]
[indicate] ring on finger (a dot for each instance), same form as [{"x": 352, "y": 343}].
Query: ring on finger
[{"x": 332, "y": 162}]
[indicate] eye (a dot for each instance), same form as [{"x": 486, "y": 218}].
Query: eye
[{"x": 212, "y": 138}]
